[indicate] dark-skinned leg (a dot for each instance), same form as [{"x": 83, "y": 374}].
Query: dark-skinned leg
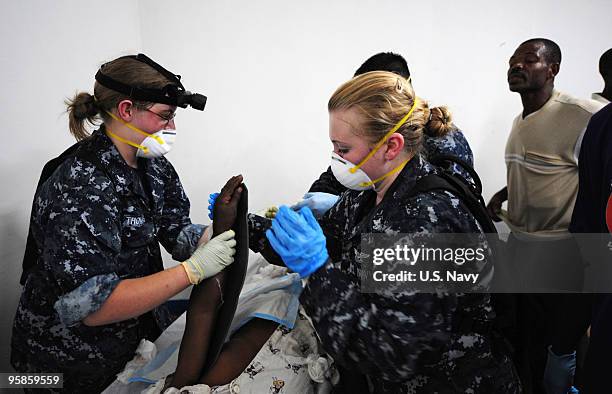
[
  {"x": 206, "y": 297},
  {"x": 204, "y": 304},
  {"x": 239, "y": 351},
  {"x": 235, "y": 356}
]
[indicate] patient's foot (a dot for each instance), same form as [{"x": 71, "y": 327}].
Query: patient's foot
[{"x": 226, "y": 205}]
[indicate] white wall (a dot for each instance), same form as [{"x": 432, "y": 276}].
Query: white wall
[
  {"x": 270, "y": 66},
  {"x": 49, "y": 50},
  {"x": 268, "y": 69}
]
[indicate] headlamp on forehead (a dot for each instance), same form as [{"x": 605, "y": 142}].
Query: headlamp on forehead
[{"x": 173, "y": 93}]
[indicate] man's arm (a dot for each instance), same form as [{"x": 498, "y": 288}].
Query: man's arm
[{"x": 495, "y": 204}]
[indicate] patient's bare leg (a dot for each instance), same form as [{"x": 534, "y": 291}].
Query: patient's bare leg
[
  {"x": 202, "y": 312},
  {"x": 236, "y": 354},
  {"x": 204, "y": 304},
  {"x": 206, "y": 297},
  {"x": 239, "y": 351}
]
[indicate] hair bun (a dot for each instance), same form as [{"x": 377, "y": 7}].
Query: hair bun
[
  {"x": 440, "y": 122},
  {"x": 85, "y": 106}
]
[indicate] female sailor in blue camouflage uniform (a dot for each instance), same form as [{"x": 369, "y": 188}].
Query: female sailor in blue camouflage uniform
[
  {"x": 98, "y": 281},
  {"x": 404, "y": 342},
  {"x": 324, "y": 192},
  {"x": 437, "y": 141}
]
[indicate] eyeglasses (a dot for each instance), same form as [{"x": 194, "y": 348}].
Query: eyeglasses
[{"x": 167, "y": 118}]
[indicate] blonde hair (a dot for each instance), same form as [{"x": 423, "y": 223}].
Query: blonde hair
[
  {"x": 86, "y": 109},
  {"x": 384, "y": 98}
]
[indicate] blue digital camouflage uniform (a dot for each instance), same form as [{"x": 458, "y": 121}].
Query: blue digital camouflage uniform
[
  {"x": 93, "y": 228},
  {"x": 406, "y": 342},
  {"x": 454, "y": 143}
]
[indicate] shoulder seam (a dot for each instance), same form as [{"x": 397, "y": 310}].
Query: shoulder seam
[{"x": 577, "y": 103}]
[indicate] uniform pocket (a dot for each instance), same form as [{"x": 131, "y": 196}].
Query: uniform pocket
[
  {"x": 550, "y": 184},
  {"x": 542, "y": 182}
]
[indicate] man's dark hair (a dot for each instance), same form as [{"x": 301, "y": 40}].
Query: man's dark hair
[
  {"x": 385, "y": 61},
  {"x": 605, "y": 64},
  {"x": 552, "y": 52}
]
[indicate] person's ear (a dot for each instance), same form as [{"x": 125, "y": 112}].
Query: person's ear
[
  {"x": 553, "y": 70},
  {"x": 395, "y": 145},
  {"x": 125, "y": 110}
]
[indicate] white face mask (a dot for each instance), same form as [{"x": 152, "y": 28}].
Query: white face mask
[
  {"x": 154, "y": 145},
  {"x": 157, "y": 144},
  {"x": 348, "y": 175},
  {"x": 352, "y": 176}
]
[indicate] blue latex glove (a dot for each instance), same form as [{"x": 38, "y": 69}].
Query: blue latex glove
[
  {"x": 299, "y": 240},
  {"x": 318, "y": 202},
  {"x": 211, "y": 204},
  {"x": 559, "y": 373}
]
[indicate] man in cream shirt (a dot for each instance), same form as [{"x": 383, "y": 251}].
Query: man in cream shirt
[
  {"x": 605, "y": 69},
  {"x": 542, "y": 183}
]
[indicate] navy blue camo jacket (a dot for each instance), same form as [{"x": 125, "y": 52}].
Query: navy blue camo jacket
[
  {"x": 406, "y": 342},
  {"x": 94, "y": 227}
]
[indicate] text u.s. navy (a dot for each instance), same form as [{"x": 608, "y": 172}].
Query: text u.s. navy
[{"x": 425, "y": 276}]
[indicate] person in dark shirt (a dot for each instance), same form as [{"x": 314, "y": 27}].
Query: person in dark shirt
[{"x": 593, "y": 214}]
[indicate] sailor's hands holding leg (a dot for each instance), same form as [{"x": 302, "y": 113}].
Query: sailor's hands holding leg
[
  {"x": 211, "y": 258},
  {"x": 298, "y": 239}
]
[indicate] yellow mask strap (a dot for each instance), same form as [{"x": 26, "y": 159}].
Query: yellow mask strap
[
  {"x": 382, "y": 141},
  {"x": 132, "y": 127},
  {"x": 135, "y": 145},
  {"x": 393, "y": 171}
]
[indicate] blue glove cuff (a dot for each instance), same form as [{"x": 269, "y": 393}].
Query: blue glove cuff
[{"x": 308, "y": 270}]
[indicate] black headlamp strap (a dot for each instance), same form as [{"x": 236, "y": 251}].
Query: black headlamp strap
[
  {"x": 164, "y": 95},
  {"x": 134, "y": 92},
  {"x": 172, "y": 77},
  {"x": 173, "y": 93}
]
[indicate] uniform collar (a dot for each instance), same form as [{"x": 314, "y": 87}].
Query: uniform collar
[
  {"x": 125, "y": 179},
  {"x": 416, "y": 168},
  {"x": 365, "y": 211}
]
